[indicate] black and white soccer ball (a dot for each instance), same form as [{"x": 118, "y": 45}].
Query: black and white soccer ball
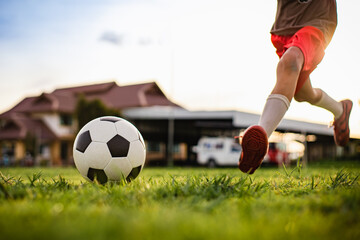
[{"x": 109, "y": 149}]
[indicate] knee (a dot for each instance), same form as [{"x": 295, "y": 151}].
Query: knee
[{"x": 291, "y": 61}]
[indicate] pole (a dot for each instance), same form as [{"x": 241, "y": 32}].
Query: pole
[
  {"x": 170, "y": 145},
  {"x": 171, "y": 121},
  {"x": 306, "y": 151}
]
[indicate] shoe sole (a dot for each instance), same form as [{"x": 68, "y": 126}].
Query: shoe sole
[{"x": 254, "y": 147}]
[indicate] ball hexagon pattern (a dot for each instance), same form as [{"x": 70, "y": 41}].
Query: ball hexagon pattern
[
  {"x": 97, "y": 174},
  {"x": 83, "y": 141},
  {"x": 118, "y": 146},
  {"x": 109, "y": 149}
]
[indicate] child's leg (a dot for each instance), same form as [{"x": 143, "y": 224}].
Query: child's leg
[
  {"x": 341, "y": 110},
  {"x": 288, "y": 71},
  {"x": 255, "y": 139},
  {"x": 319, "y": 98}
]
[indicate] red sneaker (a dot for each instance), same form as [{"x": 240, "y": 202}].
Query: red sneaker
[
  {"x": 341, "y": 125},
  {"x": 254, "y": 145}
]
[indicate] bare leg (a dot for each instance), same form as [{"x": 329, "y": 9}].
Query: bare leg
[
  {"x": 318, "y": 97},
  {"x": 308, "y": 94},
  {"x": 288, "y": 71}
]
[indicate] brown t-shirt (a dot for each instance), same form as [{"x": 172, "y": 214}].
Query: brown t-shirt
[{"x": 292, "y": 15}]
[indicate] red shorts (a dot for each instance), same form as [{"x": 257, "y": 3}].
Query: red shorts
[{"x": 311, "y": 42}]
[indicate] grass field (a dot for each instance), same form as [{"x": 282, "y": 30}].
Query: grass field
[{"x": 318, "y": 202}]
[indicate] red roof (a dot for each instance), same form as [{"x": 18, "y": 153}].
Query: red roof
[
  {"x": 64, "y": 100},
  {"x": 140, "y": 95},
  {"x": 87, "y": 89},
  {"x": 18, "y": 121}
]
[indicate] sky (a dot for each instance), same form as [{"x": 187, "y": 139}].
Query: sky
[{"x": 204, "y": 54}]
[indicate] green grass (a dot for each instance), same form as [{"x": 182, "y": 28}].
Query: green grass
[{"x": 318, "y": 202}]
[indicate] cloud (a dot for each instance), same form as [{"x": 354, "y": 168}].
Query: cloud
[
  {"x": 133, "y": 39},
  {"x": 112, "y": 37}
]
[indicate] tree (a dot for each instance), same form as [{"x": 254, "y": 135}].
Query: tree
[
  {"x": 87, "y": 110},
  {"x": 31, "y": 144}
]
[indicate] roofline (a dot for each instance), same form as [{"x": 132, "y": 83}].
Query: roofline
[
  {"x": 87, "y": 85},
  {"x": 239, "y": 119},
  {"x": 166, "y": 112}
]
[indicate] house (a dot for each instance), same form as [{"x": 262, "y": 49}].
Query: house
[{"x": 45, "y": 124}]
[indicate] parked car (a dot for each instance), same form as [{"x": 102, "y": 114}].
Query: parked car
[
  {"x": 217, "y": 151},
  {"x": 277, "y": 154}
]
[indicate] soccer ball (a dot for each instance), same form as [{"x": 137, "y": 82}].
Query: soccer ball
[{"x": 109, "y": 149}]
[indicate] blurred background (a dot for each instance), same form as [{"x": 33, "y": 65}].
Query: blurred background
[{"x": 202, "y": 56}]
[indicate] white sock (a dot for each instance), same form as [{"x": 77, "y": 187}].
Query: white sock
[
  {"x": 275, "y": 108},
  {"x": 330, "y": 104}
]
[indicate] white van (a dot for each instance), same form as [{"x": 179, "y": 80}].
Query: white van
[{"x": 218, "y": 151}]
